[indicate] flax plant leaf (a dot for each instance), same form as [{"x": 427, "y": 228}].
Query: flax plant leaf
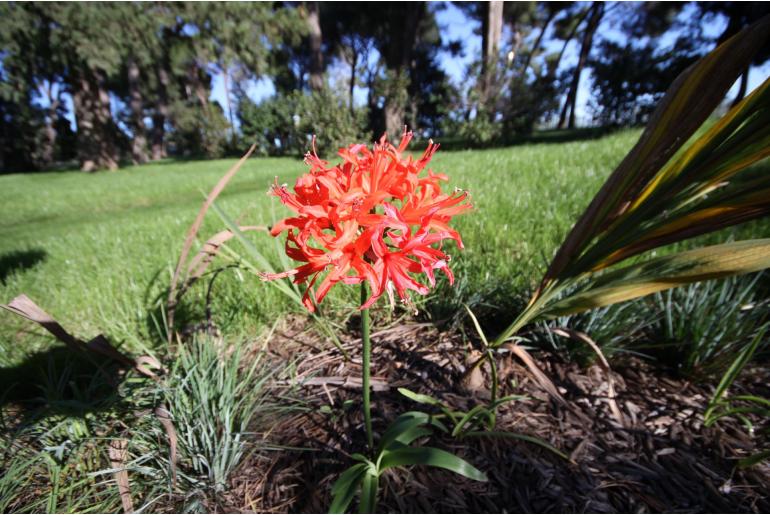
[
  {"x": 666, "y": 191},
  {"x": 687, "y": 104},
  {"x": 665, "y": 272}
]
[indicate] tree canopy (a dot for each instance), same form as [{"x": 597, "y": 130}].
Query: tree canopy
[{"x": 106, "y": 83}]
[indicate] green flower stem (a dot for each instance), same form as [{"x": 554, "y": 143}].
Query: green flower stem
[{"x": 365, "y": 372}]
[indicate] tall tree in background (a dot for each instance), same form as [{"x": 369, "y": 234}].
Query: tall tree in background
[
  {"x": 565, "y": 29},
  {"x": 87, "y": 38},
  {"x": 31, "y": 73},
  {"x": 139, "y": 26},
  {"x": 396, "y": 38},
  {"x": 491, "y": 32},
  {"x": 630, "y": 78},
  {"x": 594, "y": 18},
  {"x": 739, "y": 15},
  {"x": 546, "y": 11},
  {"x": 349, "y": 30},
  {"x": 316, "y": 52}
]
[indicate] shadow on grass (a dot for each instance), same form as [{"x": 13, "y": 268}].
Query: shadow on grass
[
  {"x": 19, "y": 260},
  {"x": 57, "y": 382}
]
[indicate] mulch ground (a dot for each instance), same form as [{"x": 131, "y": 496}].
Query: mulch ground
[{"x": 661, "y": 458}]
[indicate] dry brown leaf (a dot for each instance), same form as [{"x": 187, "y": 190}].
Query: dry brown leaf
[
  {"x": 577, "y": 335},
  {"x": 193, "y": 231},
  {"x": 118, "y": 451},
  {"x": 538, "y": 374},
  {"x": 200, "y": 262},
  {"x": 24, "y": 307},
  {"x": 164, "y": 416}
]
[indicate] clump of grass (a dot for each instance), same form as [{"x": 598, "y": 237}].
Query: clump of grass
[
  {"x": 615, "y": 329},
  {"x": 54, "y": 437},
  {"x": 696, "y": 329},
  {"x": 219, "y": 398},
  {"x": 218, "y": 401},
  {"x": 701, "y": 327}
]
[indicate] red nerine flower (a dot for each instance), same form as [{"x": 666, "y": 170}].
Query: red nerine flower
[{"x": 370, "y": 218}]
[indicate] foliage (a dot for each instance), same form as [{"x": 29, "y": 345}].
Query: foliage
[
  {"x": 285, "y": 124},
  {"x": 198, "y": 134},
  {"x": 629, "y": 80},
  {"x": 616, "y": 329},
  {"x": 220, "y": 403},
  {"x": 656, "y": 198},
  {"x": 695, "y": 329},
  {"x": 725, "y": 405},
  {"x": 700, "y": 327},
  {"x": 217, "y": 396},
  {"x": 480, "y": 130},
  {"x": 394, "y": 451}
]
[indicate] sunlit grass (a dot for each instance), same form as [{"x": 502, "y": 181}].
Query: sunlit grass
[{"x": 97, "y": 251}]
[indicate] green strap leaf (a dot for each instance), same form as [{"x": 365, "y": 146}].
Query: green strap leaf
[
  {"x": 255, "y": 254},
  {"x": 469, "y": 416},
  {"x": 369, "y": 494},
  {"x": 730, "y": 376},
  {"x": 432, "y": 457},
  {"x": 419, "y": 397},
  {"x": 477, "y": 326},
  {"x": 345, "y": 487},
  {"x": 401, "y": 427},
  {"x": 687, "y": 104},
  {"x": 663, "y": 273},
  {"x": 518, "y": 436},
  {"x": 409, "y": 436},
  {"x": 754, "y": 459}
]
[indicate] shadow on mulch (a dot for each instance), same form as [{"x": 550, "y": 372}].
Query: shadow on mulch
[{"x": 661, "y": 459}]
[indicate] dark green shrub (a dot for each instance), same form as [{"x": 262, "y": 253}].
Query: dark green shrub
[{"x": 285, "y": 124}]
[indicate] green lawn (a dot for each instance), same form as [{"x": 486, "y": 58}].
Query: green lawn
[{"x": 96, "y": 251}]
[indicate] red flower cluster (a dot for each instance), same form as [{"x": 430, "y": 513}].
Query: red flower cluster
[{"x": 371, "y": 218}]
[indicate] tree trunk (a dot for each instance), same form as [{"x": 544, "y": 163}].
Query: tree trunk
[
  {"x": 492, "y": 29},
  {"x": 160, "y": 116},
  {"x": 398, "y": 57},
  {"x": 139, "y": 142},
  {"x": 225, "y": 76},
  {"x": 353, "y": 65},
  {"x": 597, "y": 11},
  {"x": 555, "y": 67},
  {"x": 316, "y": 55},
  {"x": 49, "y": 147},
  {"x": 198, "y": 88},
  {"x": 395, "y": 104},
  {"x": 96, "y": 147},
  {"x": 108, "y": 150},
  {"x": 742, "y": 88}
]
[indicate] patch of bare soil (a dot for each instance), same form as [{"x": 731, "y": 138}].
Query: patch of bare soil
[{"x": 659, "y": 459}]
